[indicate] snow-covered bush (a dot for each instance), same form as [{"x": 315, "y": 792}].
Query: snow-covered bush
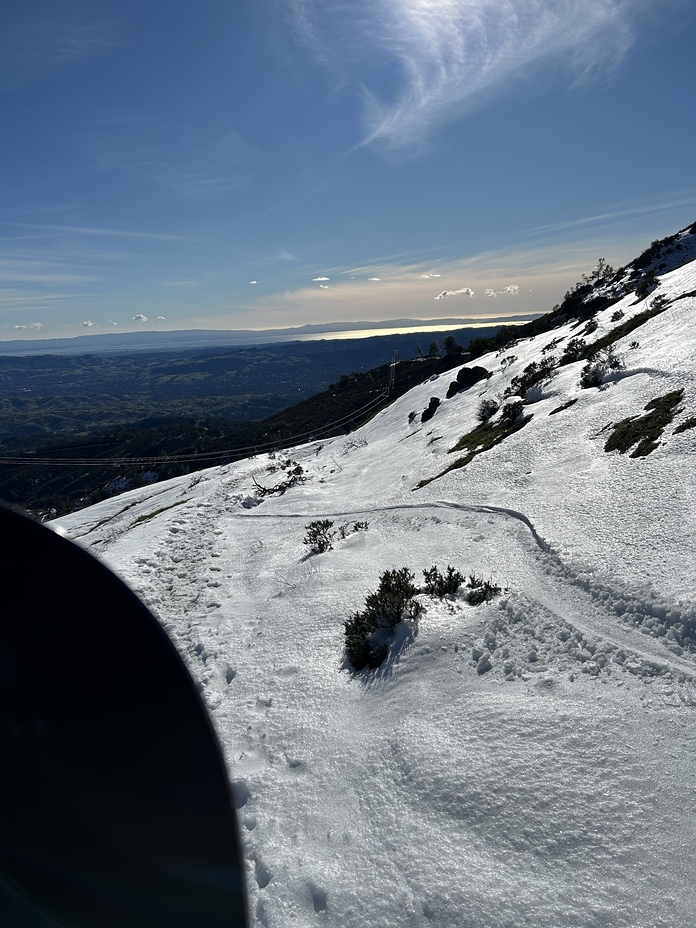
[
  {"x": 487, "y": 409},
  {"x": 599, "y": 367},
  {"x": 481, "y": 591},
  {"x": 437, "y": 584},
  {"x": 319, "y": 536}
]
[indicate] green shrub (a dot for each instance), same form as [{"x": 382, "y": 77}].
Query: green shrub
[
  {"x": 573, "y": 351},
  {"x": 391, "y": 603},
  {"x": 393, "y": 599},
  {"x": 319, "y": 536},
  {"x": 533, "y": 374},
  {"x": 438, "y": 585}
]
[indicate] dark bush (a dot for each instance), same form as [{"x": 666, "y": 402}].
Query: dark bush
[
  {"x": 392, "y": 602},
  {"x": 487, "y": 409},
  {"x": 512, "y": 411},
  {"x": 319, "y": 536},
  {"x": 452, "y": 390},
  {"x": 430, "y": 411},
  {"x": 438, "y": 585},
  {"x": 481, "y": 591},
  {"x": 598, "y": 368},
  {"x": 468, "y": 376},
  {"x": 592, "y": 326},
  {"x": 533, "y": 374},
  {"x": 574, "y": 350}
]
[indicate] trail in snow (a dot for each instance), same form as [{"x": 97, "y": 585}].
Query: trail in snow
[{"x": 477, "y": 797}]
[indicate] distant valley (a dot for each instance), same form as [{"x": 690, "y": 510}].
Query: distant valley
[{"x": 167, "y": 404}]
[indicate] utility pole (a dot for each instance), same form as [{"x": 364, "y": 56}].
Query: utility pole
[{"x": 392, "y": 370}]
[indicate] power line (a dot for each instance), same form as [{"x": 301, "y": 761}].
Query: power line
[{"x": 197, "y": 456}]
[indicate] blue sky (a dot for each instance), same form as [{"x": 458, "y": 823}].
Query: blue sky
[{"x": 272, "y": 163}]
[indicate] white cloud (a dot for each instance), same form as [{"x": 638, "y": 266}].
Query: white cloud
[
  {"x": 374, "y": 278},
  {"x": 450, "y": 56},
  {"x": 36, "y": 325},
  {"x": 323, "y": 286},
  {"x": 87, "y": 323},
  {"x": 315, "y": 279},
  {"x": 19, "y": 327},
  {"x": 446, "y": 294},
  {"x": 512, "y": 289},
  {"x": 111, "y": 322},
  {"x": 429, "y": 276},
  {"x": 490, "y": 293},
  {"x": 253, "y": 281},
  {"x": 140, "y": 318},
  {"x": 161, "y": 318}
]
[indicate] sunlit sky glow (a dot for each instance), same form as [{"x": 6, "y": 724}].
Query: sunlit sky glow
[{"x": 274, "y": 163}]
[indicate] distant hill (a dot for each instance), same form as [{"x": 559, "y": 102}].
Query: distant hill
[
  {"x": 170, "y": 413},
  {"x": 190, "y": 339}
]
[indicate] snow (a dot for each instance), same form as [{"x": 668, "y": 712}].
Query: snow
[{"x": 524, "y": 762}]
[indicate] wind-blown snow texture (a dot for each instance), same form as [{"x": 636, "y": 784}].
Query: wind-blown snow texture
[{"x": 557, "y": 789}]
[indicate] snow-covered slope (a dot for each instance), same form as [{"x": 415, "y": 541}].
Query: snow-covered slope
[{"x": 556, "y": 789}]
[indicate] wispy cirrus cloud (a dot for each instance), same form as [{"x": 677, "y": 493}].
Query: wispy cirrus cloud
[{"x": 449, "y": 57}]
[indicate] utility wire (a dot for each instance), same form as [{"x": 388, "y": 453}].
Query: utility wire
[{"x": 199, "y": 456}]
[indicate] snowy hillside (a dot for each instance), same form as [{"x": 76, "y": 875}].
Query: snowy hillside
[{"x": 528, "y": 761}]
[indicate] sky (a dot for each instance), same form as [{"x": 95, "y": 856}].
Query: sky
[{"x": 275, "y": 163}]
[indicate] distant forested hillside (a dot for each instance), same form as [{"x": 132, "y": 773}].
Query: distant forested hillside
[{"x": 52, "y": 396}]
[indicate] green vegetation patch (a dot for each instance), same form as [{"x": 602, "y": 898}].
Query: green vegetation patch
[
  {"x": 645, "y": 431},
  {"x": 484, "y": 437}
]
